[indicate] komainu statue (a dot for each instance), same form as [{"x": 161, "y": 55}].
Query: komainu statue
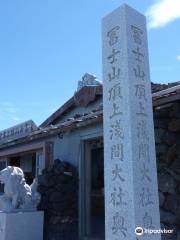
[{"x": 18, "y": 195}]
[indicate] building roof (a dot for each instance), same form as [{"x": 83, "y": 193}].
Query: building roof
[
  {"x": 82, "y": 98},
  {"x": 77, "y": 122},
  {"x": 88, "y": 94},
  {"x": 166, "y": 96}
]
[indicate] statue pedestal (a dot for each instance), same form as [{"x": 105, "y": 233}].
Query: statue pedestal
[{"x": 21, "y": 225}]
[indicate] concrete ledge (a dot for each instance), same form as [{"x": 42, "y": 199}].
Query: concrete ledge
[{"x": 21, "y": 225}]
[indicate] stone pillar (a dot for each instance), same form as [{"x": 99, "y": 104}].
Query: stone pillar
[{"x": 131, "y": 190}]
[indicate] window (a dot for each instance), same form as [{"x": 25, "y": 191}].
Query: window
[{"x": 40, "y": 165}]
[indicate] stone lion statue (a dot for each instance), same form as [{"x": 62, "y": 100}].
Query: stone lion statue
[{"x": 17, "y": 193}]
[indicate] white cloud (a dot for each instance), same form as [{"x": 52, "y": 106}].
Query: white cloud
[
  {"x": 163, "y": 12},
  {"x": 16, "y": 119},
  {"x": 9, "y": 111},
  {"x": 9, "y": 107},
  {"x": 178, "y": 57}
]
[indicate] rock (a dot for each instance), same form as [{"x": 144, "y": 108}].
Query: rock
[
  {"x": 174, "y": 175},
  {"x": 59, "y": 188},
  {"x": 178, "y": 209},
  {"x": 171, "y": 203},
  {"x": 178, "y": 235},
  {"x": 161, "y": 199},
  {"x": 44, "y": 205},
  {"x": 42, "y": 180},
  {"x": 55, "y": 197},
  {"x": 161, "y": 123},
  {"x": 161, "y": 149},
  {"x": 171, "y": 154},
  {"x": 161, "y": 113},
  {"x": 175, "y": 110},
  {"x": 169, "y": 138},
  {"x": 167, "y": 217},
  {"x": 160, "y": 164},
  {"x": 55, "y": 219},
  {"x": 56, "y": 162},
  {"x": 167, "y": 237},
  {"x": 60, "y": 206},
  {"x": 41, "y": 189},
  {"x": 45, "y": 180},
  {"x": 166, "y": 183},
  {"x": 175, "y": 166},
  {"x": 174, "y": 125},
  {"x": 178, "y": 146},
  {"x": 159, "y": 134},
  {"x": 178, "y": 188},
  {"x": 163, "y": 226}
]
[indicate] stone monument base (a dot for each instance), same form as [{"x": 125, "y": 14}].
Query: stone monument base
[{"x": 21, "y": 225}]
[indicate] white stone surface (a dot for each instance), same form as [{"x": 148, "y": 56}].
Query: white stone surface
[
  {"x": 21, "y": 226},
  {"x": 88, "y": 80},
  {"x": 17, "y": 193},
  {"x": 131, "y": 191}
]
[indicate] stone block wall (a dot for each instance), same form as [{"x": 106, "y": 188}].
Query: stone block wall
[
  {"x": 167, "y": 136},
  {"x": 59, "y": 190}
]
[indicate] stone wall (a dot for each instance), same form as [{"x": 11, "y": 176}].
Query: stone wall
[
  {"x": 59, "y": 185},
  {"x": 167, "y": 135},
  {"x": 59, "y": 189}
]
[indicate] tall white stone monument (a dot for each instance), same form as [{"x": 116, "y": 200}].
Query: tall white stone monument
[{"x": 131, "y": 190}]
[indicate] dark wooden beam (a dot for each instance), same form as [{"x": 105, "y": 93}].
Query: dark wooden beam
[{"x": 157, "y": 102}]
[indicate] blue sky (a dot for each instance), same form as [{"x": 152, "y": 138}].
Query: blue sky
[{"x": 46, "y": 46}]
